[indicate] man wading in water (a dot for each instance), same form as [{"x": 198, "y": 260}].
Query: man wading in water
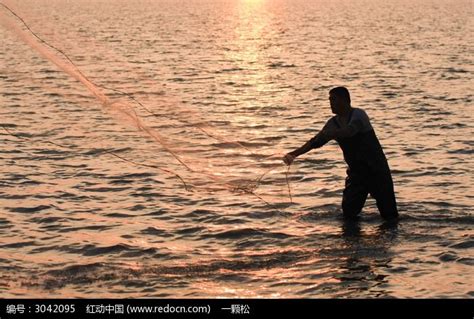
[{"x": 368, "y": 171}]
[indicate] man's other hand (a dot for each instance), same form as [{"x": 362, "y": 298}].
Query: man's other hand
[{"x": 288, "y": 159}]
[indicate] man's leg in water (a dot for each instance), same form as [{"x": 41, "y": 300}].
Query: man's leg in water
[
  {"x": 354, "y": 195},
  {"x": 381, "y": 188}
]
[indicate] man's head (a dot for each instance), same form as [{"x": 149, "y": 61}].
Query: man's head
[{"x": 340, "y": 99}]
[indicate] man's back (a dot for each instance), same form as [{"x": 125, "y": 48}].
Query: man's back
[{"x": 363, "y": 149}]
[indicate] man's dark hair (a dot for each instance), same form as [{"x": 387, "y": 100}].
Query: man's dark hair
[{"x": 341, "y": 91}]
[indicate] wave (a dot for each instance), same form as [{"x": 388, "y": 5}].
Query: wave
[
  {"x": 31, "y": 210},
  {"x": 246, "y": 233}
]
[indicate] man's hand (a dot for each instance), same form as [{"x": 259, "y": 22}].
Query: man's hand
[{"x": 288, "y": 159}]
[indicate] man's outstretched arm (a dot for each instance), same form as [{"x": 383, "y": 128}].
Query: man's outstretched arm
[{"x": 319, "y": 140}]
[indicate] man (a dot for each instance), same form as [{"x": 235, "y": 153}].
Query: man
[{"x": 368, "y": 171}]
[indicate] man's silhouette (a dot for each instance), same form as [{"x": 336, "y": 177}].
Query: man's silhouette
[{"x": 368, "y": 171}]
